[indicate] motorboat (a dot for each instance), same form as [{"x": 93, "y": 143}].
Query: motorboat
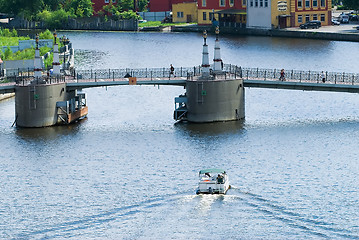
[{"x": 213, "y": 181}]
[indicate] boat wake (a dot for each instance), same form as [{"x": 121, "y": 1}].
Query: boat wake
[
  {"x": 66, "y": 229},
  {"x": 310, "y": 224}
]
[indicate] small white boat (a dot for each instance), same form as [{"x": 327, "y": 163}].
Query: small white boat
[{"x": 213, "y": 181}]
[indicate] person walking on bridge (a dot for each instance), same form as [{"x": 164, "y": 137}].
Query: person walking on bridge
[
  {"x": 172, "y": 71},
  {"x": 282, "y": 75}
]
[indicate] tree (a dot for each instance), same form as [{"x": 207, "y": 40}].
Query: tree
[
  {"x": 80, "y": 8},
  {"x": 351, "y": 4},
  {"x": 28, "y": 8}
]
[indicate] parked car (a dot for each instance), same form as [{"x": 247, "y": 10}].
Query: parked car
[
  {"x": 357, "y": 27},
  {"x": 344, "y": 18},
  {"x": 335, "y": 22},
  {"x": 311, "y": 24},
  {"x": 354, "y": 18}
]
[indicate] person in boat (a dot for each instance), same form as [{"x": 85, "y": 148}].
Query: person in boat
[{"x": 220, "y": 178}]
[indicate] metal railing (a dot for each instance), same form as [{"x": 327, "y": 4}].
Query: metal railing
[
  {"x": 147, "y": 73},
  {"x": 191, "y": 73}
]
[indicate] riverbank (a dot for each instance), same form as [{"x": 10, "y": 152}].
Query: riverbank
[
  {"x": 6, "y": 96},
  {"x": 345, "y": 32}
]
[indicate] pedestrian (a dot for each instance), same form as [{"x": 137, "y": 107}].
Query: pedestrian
[
  {"x": 172, "y": 71},
  {"x": 282, "y": 75},
  {"x": 322, "y": 75}
]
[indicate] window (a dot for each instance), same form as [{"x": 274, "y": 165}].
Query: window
[
  {"x": 300, "y": 3},
  {"x": 107, "y": 1},
  {"x": 307, "y": 18},
  {"x": 204, "y": 3},
  {"x": 211, "y": 15},
  {"x": 315, "y": 17},
  {"x": 265, "y": 3},
  {"x": 315, "y": 3},
  {"x": 204, "y": 16},
  {"x": 322, "y": 3},
  {"x": 322, "y": 17},
  {"x": 180, "y": 14},
  {"x": 251, "y": 3},
  {"x": 300, "y": 18},
  {"x": 256, "y": 3},
  {"x": 244, "y": 2},
  {"x": 222, "y": 3},
  {"x": 231, "y": 2},
  {"x": 307, "y": 3},
  {"x": 261, "y": 3}
]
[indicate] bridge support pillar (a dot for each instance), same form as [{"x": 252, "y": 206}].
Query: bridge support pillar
[
  {"x": 35, "y": 104},
  {"x": 215, "y": 100}
]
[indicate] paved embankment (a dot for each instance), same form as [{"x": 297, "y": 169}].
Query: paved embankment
[
  {"x": 6, "y": 96},
  {"x": 344, "y": 32}
]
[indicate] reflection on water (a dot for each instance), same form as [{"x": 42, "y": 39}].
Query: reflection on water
[
  {"x": 211, "y": 129},
  {"x": 48, "y": 133}
]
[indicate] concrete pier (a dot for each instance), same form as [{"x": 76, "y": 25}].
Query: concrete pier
[
  {"x": 35, "y": 105},
  {"x": 213, "y": 96},
  {"x": 215, "y": 100}
]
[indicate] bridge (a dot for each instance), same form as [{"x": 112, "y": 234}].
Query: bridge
[{"x": 252, "y": 78}]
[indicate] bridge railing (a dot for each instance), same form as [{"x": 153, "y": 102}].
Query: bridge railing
[
  {"x": 191, "y": 72},
  {"x": 298, "y": 76},
  {"x": 148, "y": 73}
]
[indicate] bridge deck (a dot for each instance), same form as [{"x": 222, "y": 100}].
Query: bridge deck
[
  {"x": 251, "y": 83},
  {"x": 253, "y": 78}
]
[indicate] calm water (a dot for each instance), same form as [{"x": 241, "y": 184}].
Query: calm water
[{"x": 129, "y": 172}]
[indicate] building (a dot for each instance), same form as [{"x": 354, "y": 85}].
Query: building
[
  {"x": 230, "y": 11},
  {"x": 307, "y": 10},
  {"x": 287, "y": 13},
  {"x": 185, "y": 12},
  {"x": 164, "y": 5}
]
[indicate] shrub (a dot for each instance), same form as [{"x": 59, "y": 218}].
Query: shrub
[{"x": 46, "y": 35}]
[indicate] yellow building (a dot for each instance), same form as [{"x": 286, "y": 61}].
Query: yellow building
[
  {"x": 308, "y": 10},
  {"x": 287, "y": 13},
  {"x": 184, "y": 12}
]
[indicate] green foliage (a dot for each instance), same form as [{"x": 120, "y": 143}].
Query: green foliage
[
  {"x": 49, "y": 60},
  {"x": 351, "y": 4},
  {"x": 7, "y": 53},
  {"x": 79, "y": 8},
  {"x": 129, "y": 15},
  {"x": 158, "y": 24},
  {"x": 54, "y": 19},
  {"x": 46, "y": 35},
  {"x": 11, "y": 41},
  {"x": 7, "y": 33},
  {"x": 23, "y": 55}
]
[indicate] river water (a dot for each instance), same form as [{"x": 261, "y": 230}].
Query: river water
[{"x": 129, "y": 172}]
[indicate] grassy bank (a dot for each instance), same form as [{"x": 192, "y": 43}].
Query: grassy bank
[{"x": 158, "y": 24}]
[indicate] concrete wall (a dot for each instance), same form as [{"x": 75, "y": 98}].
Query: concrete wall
[
  {"x": 215, "y": 100},
  {"x": 12, "y": 67},
  {"x": 35, "y": 106},
  {"x": 258, "y": 17}
]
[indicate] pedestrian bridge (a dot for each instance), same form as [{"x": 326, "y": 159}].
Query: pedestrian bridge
[{"x": 253, "y": 78}]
